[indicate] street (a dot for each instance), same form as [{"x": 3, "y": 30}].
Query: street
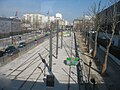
[{"x": 28, "y": 37}]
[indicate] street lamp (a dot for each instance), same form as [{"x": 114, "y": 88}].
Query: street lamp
[
  {"x": 88, "y": 34},
  {"x": 90, "y": 63},
  {"x": 62, "y": 37},
  {"x": 57, "y": 38},
  {"x": 50, "y": 58}
]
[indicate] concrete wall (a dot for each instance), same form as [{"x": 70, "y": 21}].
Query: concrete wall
[{"x": 115, "y": 41}]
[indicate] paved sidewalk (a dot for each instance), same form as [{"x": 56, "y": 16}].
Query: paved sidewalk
[{"x": 94, "y": 70}]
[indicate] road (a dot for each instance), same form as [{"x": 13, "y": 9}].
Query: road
[{"x": 27, "y": 37}]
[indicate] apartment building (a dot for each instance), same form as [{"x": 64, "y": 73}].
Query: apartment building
[
  {"x": 107, "y": 18},
  {"x": 83, "y": 23},
  {"x": 9, "y": 25},
  {"x": 40, "y": 21}
]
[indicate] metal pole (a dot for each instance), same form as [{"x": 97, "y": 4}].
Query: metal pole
[
  {"x": 57, "y": 39},
  {"x": 93, "y": 81},
  {"x": 69, "y": 78},
  {"x": 50, "y": 58},
  {"x": 90, "y": 63},
  {"x": 61, "y": 37},
  {"x": 88, "y": 41},
  {"x": 70, "y": 66}
]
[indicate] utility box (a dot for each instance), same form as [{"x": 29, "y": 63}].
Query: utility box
[{"x": 50, "y": 81}]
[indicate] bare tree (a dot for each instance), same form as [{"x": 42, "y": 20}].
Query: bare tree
[
  {"x": 114, "y": 22},
  {"x": 93, "y": 12}
]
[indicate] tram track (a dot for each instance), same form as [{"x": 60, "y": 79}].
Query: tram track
[
  {"x": 29, "y": 65},
  {"x": 68, "y": 50},
  {"x": 26, "y": 62},
  {"x": 32, "y": 74},
  {"x": 32, "y": 61},
  {"x": 32, "y": 86}
]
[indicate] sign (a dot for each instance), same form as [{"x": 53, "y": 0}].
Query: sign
[{"x": 72, "y": 61}]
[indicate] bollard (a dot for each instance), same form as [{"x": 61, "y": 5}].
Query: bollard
[
  {"x": 90, "y": 63},
  {"x": 93, "y": 81}
]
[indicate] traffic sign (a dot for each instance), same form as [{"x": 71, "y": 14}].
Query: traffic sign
[{"x": 69, "y": 59}]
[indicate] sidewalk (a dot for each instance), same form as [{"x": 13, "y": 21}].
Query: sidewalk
[{"x": 94, "y": 71}]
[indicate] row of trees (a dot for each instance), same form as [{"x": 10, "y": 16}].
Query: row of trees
[{"x": 99, "y": 19}]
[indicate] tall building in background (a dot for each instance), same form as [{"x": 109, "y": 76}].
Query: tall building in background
[
  {"x": 30, "y": 21},
  {"x": 35, "y": 21},
  {"x": 85, "y": 23},
  {"x": 39, "y": 21},
  {"x": 61, "y": 22},
  {"x": 8, "y": 25},
  {"x": 58, "y": 16}
]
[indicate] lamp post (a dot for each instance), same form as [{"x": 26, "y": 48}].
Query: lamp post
[
  {"x": 57, "y": 38},
  {"x": 90, "y": 63},
  {"x": 50, "y": 53},
  {"x": 88, "y": 41},
  {"x": 61, "y": 37}
]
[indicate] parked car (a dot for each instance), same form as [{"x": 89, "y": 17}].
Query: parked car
[
  {"x": 2, "y": 53},
  {"x": 21, "y": 45},
  {"x": 10, "y": 50}
]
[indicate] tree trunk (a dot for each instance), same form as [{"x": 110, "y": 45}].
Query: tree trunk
[
  {"x": 104, "y": 65},
  {"x": 95, "y": 48}
]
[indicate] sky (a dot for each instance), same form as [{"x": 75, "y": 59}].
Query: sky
[{"x": 70, "y": 9}]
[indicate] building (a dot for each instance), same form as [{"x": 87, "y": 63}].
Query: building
[
  {"x": 76, "y": 24},
  {"x": 83, "y": 23},
  {"x": 39, "y": 21},
  {"x": 58, "y": 16},
  {"x": 107, "y": 18},
  {"x": 34, "y": 20},
  {"x": 61, "y": 22},
  {"x": 8, "y": 25}
]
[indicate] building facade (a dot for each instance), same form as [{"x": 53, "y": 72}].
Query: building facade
[
  {"x": 8, "y": 25},
  {"x": 76, "y": 24},
  {"x": 40, "y": 21},
  {"x": 107, "y": 17},
  {"x": 34, "y": 20},
  {"x": 83, "y": 23}
]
